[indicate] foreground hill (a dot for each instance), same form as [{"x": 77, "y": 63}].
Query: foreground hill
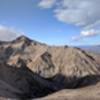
[{"x": 29, "y": 69}]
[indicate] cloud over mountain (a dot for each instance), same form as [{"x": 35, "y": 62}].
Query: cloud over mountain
[{"x": 8, "y": 34}]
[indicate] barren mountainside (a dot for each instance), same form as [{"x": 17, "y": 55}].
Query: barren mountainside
[{"x": 29, "y": 69}]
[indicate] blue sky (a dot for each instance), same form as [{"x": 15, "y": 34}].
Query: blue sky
[{"x": 56, "y": 22}]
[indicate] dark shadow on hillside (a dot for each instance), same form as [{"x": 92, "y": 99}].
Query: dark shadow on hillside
[
  {"x": 63, "y": 82},
  {"x": 5, "y": 53},
  {"x": 22, "y": 83}
]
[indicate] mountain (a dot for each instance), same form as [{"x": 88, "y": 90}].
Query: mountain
[{"x": 30, "y": 69}]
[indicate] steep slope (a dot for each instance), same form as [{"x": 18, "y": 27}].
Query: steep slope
[{"x": 21, "y": 82}]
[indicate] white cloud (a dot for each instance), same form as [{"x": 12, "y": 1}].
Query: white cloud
[
  {"x": 46, "y": 3},
  {"x": 8, "y": 34},
  {"x": 89, "y": 33},
  {"x": 78, "y": 12},
  {"x": 81, "y": 13},
  {"x": 86, "y": 33}
]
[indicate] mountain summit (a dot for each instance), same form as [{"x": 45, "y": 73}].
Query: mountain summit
[{"x": 23, "y": 38}]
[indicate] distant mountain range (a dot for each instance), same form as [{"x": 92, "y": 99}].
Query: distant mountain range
[{"x": 92, "y": 48}]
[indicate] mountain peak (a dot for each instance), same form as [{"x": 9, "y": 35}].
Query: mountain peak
[{"x": 23, "y": 38}]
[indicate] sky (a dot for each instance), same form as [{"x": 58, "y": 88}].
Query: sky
[{"x": 55, "y": 22}]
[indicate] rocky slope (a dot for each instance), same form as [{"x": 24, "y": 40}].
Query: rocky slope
[{"x": 29, "y": 69}]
